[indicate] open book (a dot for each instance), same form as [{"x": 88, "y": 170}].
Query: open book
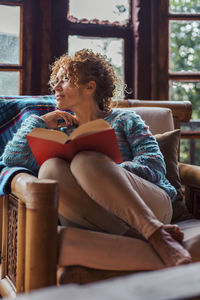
[{"x": 95, "y": 135}]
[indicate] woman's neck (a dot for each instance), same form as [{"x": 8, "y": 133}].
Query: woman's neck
[{"x": 90, "y": 113}]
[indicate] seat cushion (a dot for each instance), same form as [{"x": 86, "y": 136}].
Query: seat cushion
[
  {"x": 105, "y": 251},
  {"x": 191, "y": 229},
  {"x": 119, "y": 253}
]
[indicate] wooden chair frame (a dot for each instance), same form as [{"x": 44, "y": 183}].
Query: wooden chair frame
[{"x": 29, "y": 218}]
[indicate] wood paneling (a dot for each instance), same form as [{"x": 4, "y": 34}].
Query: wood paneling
[
  {"x": 37, "y": 46},
  {"x": 143, "y": 62}
]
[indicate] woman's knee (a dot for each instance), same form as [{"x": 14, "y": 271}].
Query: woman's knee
[
  {"x": 51, "y": 168},
  {"x": 87, "y": 161}
]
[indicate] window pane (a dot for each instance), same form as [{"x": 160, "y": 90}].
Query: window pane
[
  {"x": 187, "y": 91},
  {"x": 184, "y": 150},
  {"x": 99, "y": 10},
  {"x": 111, "y": 47},
  {"x": 9, "y": 83},
  {"x": 196, "y": 151},
  {"x": 9, "y": 34},
  {"x": 185, "y": 6},
  {"x": 184, "y": 46},
  {"x": 190, "y": 148}
]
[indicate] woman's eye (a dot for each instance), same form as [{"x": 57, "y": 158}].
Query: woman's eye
[
  {"x": 62, "y": 80},
  {"x": 55, "y": 82},
  {"x": 65, "y": 78}
]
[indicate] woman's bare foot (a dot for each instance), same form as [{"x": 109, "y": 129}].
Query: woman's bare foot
[
  {"x": 170, "y": 250},
  {"x": 173, "y": 229},
  {"x": 175, "y": 232}
]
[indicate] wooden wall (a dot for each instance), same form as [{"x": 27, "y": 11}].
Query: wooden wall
[{"x": 44, "y": 40}]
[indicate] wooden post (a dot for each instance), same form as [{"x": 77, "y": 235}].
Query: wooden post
[
  {"x": 1, "y": 220},
  {"x": 41, "y": 234},
  {"x": 4, "y": 238},
  {"x": 20, "y": 247}
]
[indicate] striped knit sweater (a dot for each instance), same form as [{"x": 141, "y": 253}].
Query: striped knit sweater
[{"x": 140, "y": 151}]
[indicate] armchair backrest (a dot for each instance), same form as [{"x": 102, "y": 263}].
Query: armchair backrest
[
  {"x": 159, "y": 119},
  {"x": 181, "y": 110}
]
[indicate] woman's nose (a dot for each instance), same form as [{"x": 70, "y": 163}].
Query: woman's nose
[{"x": 58, "y": 86}]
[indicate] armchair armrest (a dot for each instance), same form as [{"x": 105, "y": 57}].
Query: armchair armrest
[
  {"x": 190, "y": 175},
  {"x": 29, "y": 234},
  {"x": 40, "y": 199},
  {"x": 190, "y": 178},
  {"x": 19, "y": 184}
]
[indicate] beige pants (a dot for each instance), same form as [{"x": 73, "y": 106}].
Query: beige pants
[{"x": 97, "y": 194}]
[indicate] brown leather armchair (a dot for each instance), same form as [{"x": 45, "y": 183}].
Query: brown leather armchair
[{"x": 33, "y": 246}]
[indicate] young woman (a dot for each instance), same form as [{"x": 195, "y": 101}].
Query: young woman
[{"x": 132, "y": 198}]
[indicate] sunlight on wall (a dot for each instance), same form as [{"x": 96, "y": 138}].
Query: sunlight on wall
[{"x": 111, "y": 10}]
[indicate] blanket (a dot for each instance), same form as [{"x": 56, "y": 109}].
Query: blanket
[{"x": 13, "y": 111}]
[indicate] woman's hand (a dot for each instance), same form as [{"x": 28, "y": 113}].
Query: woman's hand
[{"x": 52, "y": 119}]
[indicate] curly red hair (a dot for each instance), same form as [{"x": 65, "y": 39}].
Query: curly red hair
[{"x": 85, "y": 66}]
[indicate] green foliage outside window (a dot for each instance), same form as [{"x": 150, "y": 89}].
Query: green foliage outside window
[
  {"x": 187, "y": 91},
  {"x": 185, "y": 57},
  {"x": 185, "y": 6}
]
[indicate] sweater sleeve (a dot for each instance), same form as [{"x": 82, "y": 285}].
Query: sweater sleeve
[
  {"x": 147, "y": 159},
  {"x": 17, "y": 151}
]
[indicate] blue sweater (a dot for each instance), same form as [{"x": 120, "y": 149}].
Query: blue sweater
[{"x": 140, "y": 151}]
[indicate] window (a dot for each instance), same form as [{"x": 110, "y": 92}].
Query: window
[
  {"x": 10, "y": 48},
  {"x": 176, "y": 62},
  {"x": 184, "y": 62},
  {"x": 184, "y": 66},
  {"x": 108, "y": 31},
  {"x": 36, "y": 32}
]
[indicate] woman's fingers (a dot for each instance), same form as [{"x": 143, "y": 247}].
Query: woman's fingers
[
  {"x": 58, "y": 118},
  {"x": 69, "y": 119}
]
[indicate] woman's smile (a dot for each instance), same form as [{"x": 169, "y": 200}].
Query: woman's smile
[{"x": 59, "y": 97}]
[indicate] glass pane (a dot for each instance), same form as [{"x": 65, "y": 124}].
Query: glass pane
[
  {"x": 184, "y": 46},
  {"x": 9, "y": 34},
  {"x": 99, "y": 10},
  {"x": 9, "y": 83},
  {"x": 185, "y": 6},
  {"x": 190, "y": 148},
  {"x": 187, "y": 91},
  {"x": 113, "y": 48},
  {"x": 185, "y": 151},
  {"x": 196, "y": 152}
]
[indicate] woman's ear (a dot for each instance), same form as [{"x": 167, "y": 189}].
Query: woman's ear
[{"x": 91, "y": 87}]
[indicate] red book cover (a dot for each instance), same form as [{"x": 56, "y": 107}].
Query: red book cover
[{"x": 44, "y": 146}]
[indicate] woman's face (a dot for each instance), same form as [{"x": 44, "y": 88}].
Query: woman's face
[{"x": 67, "y": 94}]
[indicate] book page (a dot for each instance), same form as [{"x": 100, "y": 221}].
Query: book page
[
  {"x": 49, "y": 134},
  {"x": 90, "y": 127}
]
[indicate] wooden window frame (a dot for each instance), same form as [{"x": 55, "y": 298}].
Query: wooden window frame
[
  {"x": 44, "y": 31},
  {"x": 7, "y": 67},
  {"x": 161, "y": 41},
  {"x": 38, "y": 43},
  {"x": 183, "y": 76},
  {"x": 99, "y": 30}
]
